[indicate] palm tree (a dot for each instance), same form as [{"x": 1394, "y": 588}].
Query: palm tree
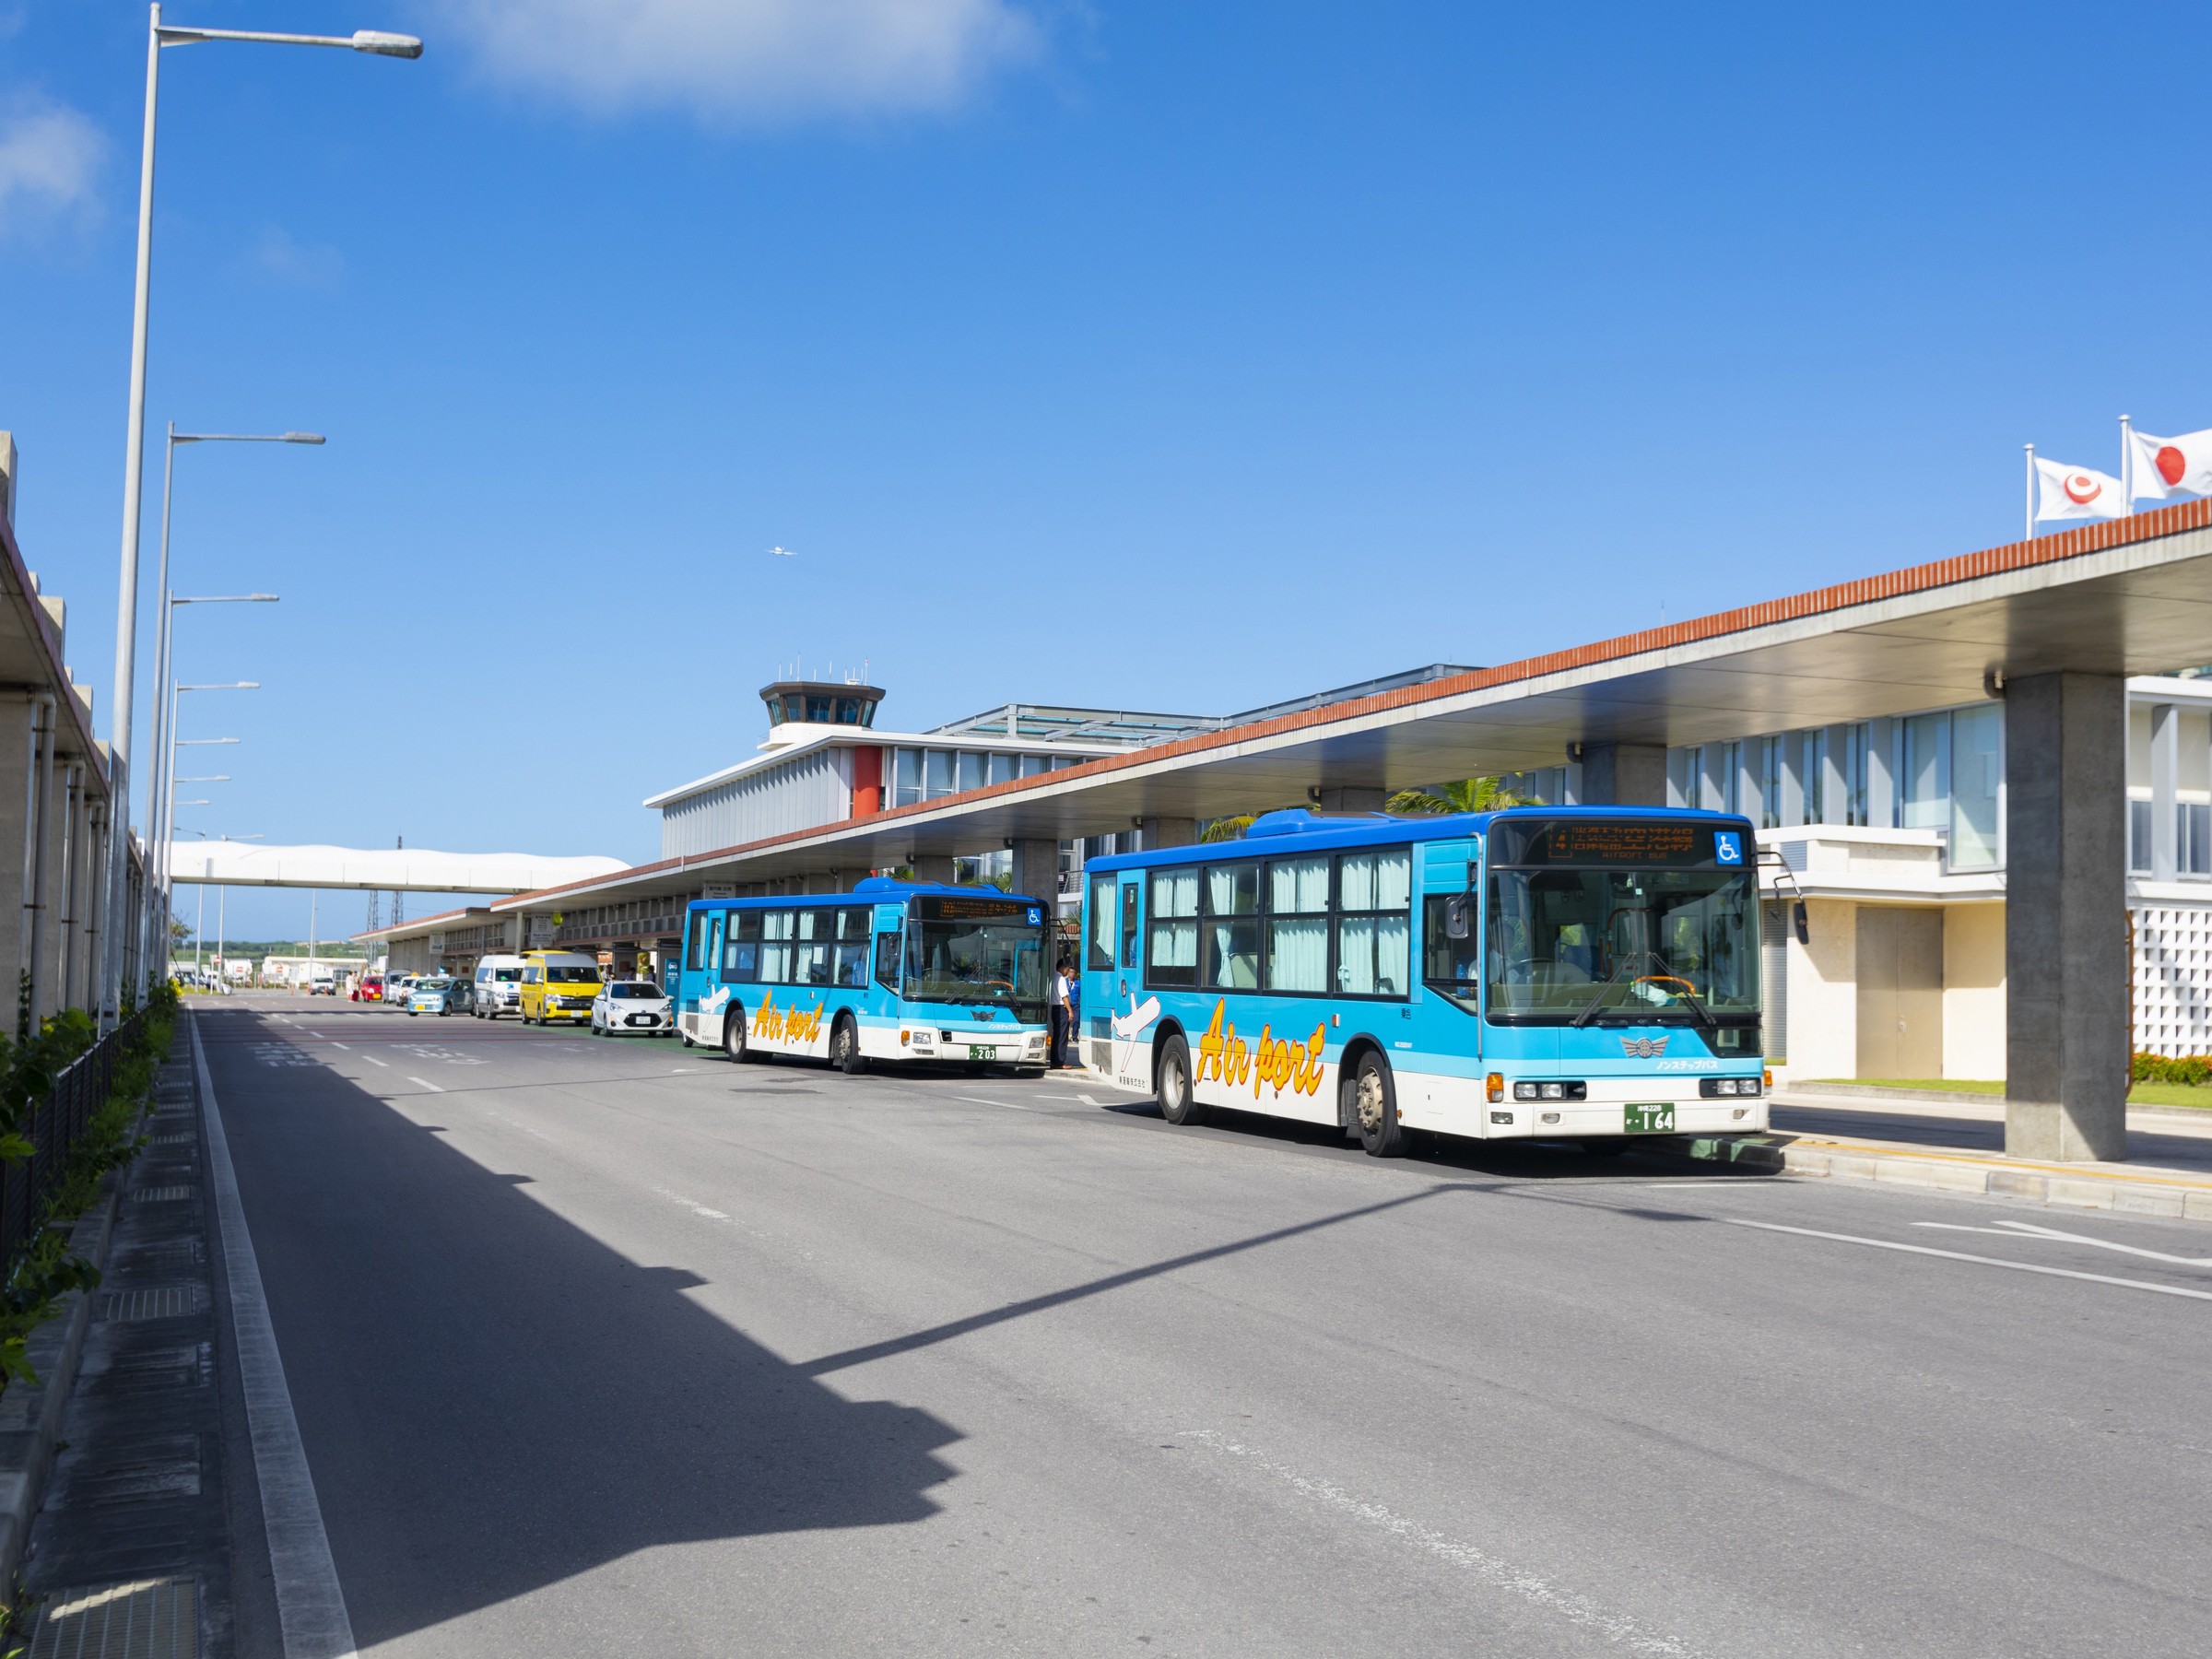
[{"x": 1470, "y": 794}]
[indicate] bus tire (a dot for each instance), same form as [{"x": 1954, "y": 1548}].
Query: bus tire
[
  {"x": 844, "y": 1047},
  {"x": 1177, "y": 1100},
  {"x": 733, "y": 1037},
  {"x": 1374, "y": 1109}
]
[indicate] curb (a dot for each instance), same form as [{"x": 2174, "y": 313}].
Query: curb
[
  {"x": 31, "y": 1413},
  {"x": 2072, "y": 1187},
  {"x": 1867, "y": 1092}
]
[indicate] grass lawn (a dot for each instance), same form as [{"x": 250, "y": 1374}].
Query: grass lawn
[{"x": 2142, "y": 1094}]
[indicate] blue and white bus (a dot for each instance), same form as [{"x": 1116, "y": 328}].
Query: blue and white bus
[
  {"x": 1537, "y": 972},
  {"x": 891, "y": 971}
]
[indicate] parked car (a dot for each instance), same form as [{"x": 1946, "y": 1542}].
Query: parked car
[
  {"x": 498, "y": 986},
  {"x": 324, "y": 986},
  {"x": 437, "y": 993},
  {"x": 558, "y": 984},
  {"x": 632, "y": 1008},
  {"x": 397, "y": 987},
  {"x": 370, "y": 988}
]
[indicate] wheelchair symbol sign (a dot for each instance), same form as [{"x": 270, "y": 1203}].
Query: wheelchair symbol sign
[{"x": 1728, "y": 847}]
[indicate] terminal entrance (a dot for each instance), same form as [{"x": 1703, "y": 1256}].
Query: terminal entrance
[{"x": 1901, "y": 992}]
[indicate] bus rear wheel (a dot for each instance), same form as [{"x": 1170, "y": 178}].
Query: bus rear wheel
[
  {"x": 844, "y": 1047},
  {"x": 1178, "y": 1100},
  {"x": 1374, "y": 1109},
  {"x": 732, "y": 1036}
]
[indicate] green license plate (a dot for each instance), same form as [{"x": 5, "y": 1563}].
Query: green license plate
[
  {"x": 977, "y": 1051},
  {"x": 1653, "y": 1119}
]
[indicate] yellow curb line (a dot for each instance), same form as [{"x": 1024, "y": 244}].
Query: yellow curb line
[{"x": 2076, "y": 1171}]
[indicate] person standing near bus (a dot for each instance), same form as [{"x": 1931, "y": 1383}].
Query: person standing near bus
[{"x": 1062, "y": 974}]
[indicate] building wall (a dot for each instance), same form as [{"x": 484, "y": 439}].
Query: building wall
[
  {"x": 1824, "y": 1004},
  {"x": 2174, "y": 977},
  {"x": 1973, "y": 991},
  {"x": 804, "y": 792}
]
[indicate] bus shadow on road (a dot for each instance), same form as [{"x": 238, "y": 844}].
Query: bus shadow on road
[{"x": 493, "y": 1401}]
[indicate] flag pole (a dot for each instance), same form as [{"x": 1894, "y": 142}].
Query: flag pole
[
  {"x": 2127, "y": 467},
  {"x": 2031, "y": 449}
]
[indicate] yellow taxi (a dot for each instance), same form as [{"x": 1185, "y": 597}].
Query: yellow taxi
[{"x": 557, "y": 986}]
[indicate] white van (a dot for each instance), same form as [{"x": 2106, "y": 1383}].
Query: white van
[{"x": 498, "y": 986}]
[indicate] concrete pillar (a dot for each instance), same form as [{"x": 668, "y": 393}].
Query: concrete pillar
[
  {"x": 69, "y": 903},
  {"x": 2165, "y": 767},
  {"x": 1037, "y": 871},
  {"x": 18, "y": 791},
  {"x": 932, "y": 866},
  {"x": 1182, "y": 832},
  {"x": 2066, "y": 987},
  {"x": 1624, "y": 775},
  {"x": 1336, "y": 799}
]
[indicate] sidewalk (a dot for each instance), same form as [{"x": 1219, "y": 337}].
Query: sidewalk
[{"x": 1958, "y": 1144}]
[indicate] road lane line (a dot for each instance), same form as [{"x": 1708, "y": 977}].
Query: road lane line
[
  {"x": 1576, "y": 1609},
  {"x": 427, "y": 1084},
  {"x": 348, "y": 1046},
  {"x": 374, "y": 1061},
  {"x": 310, "y": 1607},
  {"x": 979, "y": 1100},
  {"x": 1957, "y": 1256},
  {"x": 2028, "y": 1229}
]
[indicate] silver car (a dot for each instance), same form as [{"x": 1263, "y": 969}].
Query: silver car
[{"x": 632, "y": 1008}]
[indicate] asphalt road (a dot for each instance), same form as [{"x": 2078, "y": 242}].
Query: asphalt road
[{"x": 613, "y": 1346}]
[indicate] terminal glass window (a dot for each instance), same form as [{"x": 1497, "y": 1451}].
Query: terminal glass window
[
  {"x": 1927, "y": 784},
  {"x": 1003, "y": 768},
  {"x": 1374, "y": 933},
  {"x": 1173, "y": 959},
  {"x": 936, "y": 773},
  {"x": 2138, "y": 837},
  {"x": 1232, "y": 932},
  {"x": 971, "y": 770},
  {"x": 906, "y": 773},
  {"x": 1977, "y": 776},
  {"x": 1297, "y": 925}
]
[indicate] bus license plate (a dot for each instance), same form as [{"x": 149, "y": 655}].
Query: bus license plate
[
  {"x": 981, "y": 1050},
  {"x": 1655, "y": 1118}
]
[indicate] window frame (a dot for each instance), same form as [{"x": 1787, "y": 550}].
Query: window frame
[{"x": 1332, "y": 916}]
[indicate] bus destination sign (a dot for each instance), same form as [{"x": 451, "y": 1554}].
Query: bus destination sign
[
  {"x": 976, "y": 910},
  {"x": 1646, "y": 843}
]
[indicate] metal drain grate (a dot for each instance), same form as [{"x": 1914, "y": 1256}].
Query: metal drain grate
[
  {"x": 152, "y": 1618},
  {"x": 168, "y": 1195},
  {"x": 171, "y": 1301},
  {"x": 174, "y": 1140}
]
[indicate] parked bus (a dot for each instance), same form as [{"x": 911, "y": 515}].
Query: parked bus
[
  {"x": 891, "y": 971},
  {"x": 1537, "y": 972}
]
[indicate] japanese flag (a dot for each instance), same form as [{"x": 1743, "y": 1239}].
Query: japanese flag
[
  {"x": 2163, "y": 465},
  {"x": 2076, "y": 493}
]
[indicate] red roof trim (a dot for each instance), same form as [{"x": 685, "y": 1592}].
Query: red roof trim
[{"x": 1868, "y": 590}]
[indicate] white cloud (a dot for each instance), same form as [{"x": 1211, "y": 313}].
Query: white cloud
[
  {"x": 749, "y": 61},
  {"x": 280, "y": 258},
  {"x": 48, "y": 156}
]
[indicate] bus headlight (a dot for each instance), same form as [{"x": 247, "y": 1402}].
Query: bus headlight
[
  {"x": 1551, "y": 1091},
  {"x": 1724, "y": 1087}
]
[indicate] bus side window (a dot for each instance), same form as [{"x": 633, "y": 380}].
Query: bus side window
[
  {"x": 887, "y": 961},
  {"x": 530, "y": 976},
  {"x": 1130, "y": 889},
  {"x": 693, "y": 959},
  {"x": 1098, "y": 954}
]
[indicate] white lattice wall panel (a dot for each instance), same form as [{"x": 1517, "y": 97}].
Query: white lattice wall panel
[{"x": 2173, "y": 978}]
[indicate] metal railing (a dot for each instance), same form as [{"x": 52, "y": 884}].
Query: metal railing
[{"x": 53, "y": 1127}]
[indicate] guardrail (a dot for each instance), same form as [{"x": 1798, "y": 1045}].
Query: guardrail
[{"x": 52, "y": 1128}]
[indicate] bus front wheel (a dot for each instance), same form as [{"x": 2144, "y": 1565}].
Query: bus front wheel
[
  {"x": 1177, "y": 1101},
  {"x": 732, "y": 1036},
  {"x": 1374, "y": 1109},
  {"x": 844, "y": 1047}
]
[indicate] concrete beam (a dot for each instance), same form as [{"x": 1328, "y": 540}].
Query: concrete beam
[
  {"x": 1624, "y": 775},
  {"x": 1171, "y": 831},
  {"x": 1344, "y": 799},
  {"x": 2067, "y": 1036},
  {"x": 1037, "y": 869},
  {"x": 932, "y": 866}
]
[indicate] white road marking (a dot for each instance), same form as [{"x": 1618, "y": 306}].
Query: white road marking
[
  {"x": 317, "y": 1035},
  {"x": 427, "y": 1084},
  {"x": 979, "y": 1100},
  {"x": 373, "y": 1060},
  {"x": 1576, "y": 1609},
  {"x": 695, "y": 1207},
  {"x": 2028, "y": 1229},
  {"x": 346, "y": 1046},
  {"x": 310, "y": 1606},
  {"x": 1750, "y": 1184},
  {"x": 1954, "y": 1255}
]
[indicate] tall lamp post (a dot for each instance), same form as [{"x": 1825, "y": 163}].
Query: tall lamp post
[{"x": 158, "y": 36}]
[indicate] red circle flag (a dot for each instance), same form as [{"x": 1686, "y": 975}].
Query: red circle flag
[{"x": 2171, "y": 464}]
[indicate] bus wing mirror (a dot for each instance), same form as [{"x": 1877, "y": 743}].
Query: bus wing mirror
[
  {"x": 1797, "y": 921},
  {"x": 1459, "y": 916}
]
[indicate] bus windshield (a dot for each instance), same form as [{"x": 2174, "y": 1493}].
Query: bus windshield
[
  {"x": 994, "y": 963},
  {"x": 1612, "y": 946}
]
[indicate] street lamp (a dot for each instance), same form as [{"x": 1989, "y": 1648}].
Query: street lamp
[
  {"x": 165, "y": 759},
  {"x": 375, "y": 43}
]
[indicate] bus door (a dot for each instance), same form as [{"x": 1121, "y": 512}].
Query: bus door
[
  {"x": 702, "y": 960},
  {"x": 890, "y": 942},
  {"x": 1131, "y": 1013}
]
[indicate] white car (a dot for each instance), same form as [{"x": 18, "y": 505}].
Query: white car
[{"x": 632, "y": 1008}]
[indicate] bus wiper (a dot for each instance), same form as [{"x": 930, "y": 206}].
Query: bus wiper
[
  {"x": 1695, "y": 1004},
  {"x": 1590, "y": 1013}
]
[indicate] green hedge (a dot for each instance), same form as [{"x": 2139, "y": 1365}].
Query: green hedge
[{"x": 2161, "y": 1068}]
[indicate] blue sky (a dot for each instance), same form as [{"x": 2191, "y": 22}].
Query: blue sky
[{"x": 1169, "y": 357}]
